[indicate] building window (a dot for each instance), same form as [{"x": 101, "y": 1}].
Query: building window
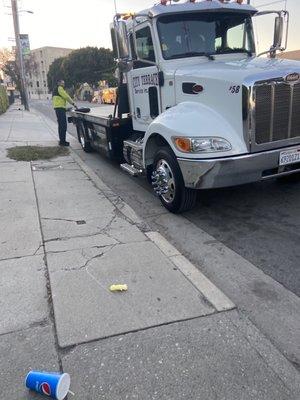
[{"x": 37, "y": 83}]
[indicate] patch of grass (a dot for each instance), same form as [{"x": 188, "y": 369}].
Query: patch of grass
[{"x": 32, "y": 153}]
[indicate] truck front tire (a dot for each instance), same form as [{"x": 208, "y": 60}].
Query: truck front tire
[{"x": 168, "y": 183}]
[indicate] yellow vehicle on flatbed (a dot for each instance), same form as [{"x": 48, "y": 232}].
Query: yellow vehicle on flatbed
[{"x": 109, "y": 96}]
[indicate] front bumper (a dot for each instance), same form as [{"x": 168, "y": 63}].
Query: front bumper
[{"x": 231, "y": 171}]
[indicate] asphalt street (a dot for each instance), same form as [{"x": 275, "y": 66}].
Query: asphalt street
[{"x": 260, "y": 222}]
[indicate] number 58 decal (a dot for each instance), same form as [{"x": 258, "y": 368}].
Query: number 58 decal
[{"x": 234, "y": 89}]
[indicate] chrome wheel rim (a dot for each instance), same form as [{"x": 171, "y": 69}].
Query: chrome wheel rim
[{"x": 163, "y": 181}]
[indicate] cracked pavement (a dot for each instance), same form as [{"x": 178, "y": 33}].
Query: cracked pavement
[{"x": 84, "y": 260}]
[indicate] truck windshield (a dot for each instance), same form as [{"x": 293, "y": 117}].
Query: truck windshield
[{"x": 196, "y": 34}]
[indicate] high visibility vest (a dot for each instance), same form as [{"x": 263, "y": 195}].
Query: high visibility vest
[{"x": 60, "y": 98}]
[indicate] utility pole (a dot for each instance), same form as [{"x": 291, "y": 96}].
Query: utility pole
[{"x": 14, "y": 6}]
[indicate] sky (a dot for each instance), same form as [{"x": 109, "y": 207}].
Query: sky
[{"x": 77, "y": 23}]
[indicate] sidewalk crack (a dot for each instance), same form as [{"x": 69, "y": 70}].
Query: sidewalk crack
[
  {"x": 84, "y": 266},
  {"x": 64, "y": 238},
  {"x": 40, "y": 246},
  {"x": 59, "y": 219},
  {"x": 88, "y": 261},
  {"x": 80, "y": 248}
]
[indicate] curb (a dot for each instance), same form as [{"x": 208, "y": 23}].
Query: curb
[{"x": 212, "y": 294}]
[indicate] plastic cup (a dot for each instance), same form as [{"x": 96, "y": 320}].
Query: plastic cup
[{"x": 51, "y": 384}]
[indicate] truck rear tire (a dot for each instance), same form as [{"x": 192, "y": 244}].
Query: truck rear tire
[
  {"x": 85, "y": 144},
  {"x": 168, "y": 183}
]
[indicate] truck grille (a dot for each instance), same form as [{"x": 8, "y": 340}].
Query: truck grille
[{"x": 277, "y": 111}]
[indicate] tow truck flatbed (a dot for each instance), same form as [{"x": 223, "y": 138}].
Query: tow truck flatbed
[
  {"x": 100, "y": 115},
  {"x": 100, "y": 130}
]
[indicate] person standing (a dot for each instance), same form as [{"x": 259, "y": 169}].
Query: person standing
[{"x": 59, "y": 100}]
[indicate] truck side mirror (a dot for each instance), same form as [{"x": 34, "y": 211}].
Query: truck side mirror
[
  {"x": 281, "y": 29},
  {"x": 114, "y": 42},
  {"x": 278, "y": 32},
  {"x": 119, "y": 39}
]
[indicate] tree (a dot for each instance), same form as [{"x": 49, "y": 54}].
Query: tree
[
  {"x": 5, "y": 57},
  {"x": 30, "y": 65},
  {"x": 56, "y": 72},
  {"x": 89, "y": 64},
  {"x": 110, "y": 79},
  {"x": 10, "y": 67}
]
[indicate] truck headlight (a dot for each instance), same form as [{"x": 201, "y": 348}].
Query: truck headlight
[{"x": 201, "y": 144}]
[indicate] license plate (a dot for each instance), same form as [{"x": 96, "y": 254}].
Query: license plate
[{"x": 290, "y": 156}]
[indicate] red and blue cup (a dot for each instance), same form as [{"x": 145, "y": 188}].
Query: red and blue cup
[{"x": 50, "y": 384}]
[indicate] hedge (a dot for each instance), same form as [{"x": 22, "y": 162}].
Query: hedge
[{"x": 3, "y": 100}]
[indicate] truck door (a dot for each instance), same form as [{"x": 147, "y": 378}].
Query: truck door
[{"x": 144, "y": 79}]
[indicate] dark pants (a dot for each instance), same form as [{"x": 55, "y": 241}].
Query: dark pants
[{"x": 62, "y": 123}]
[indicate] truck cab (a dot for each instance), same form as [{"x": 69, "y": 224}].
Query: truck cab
[{"x": 206, "y": 110}]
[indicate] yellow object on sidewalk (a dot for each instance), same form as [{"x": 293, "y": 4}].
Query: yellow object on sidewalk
[{"x": 118, "y": 288}]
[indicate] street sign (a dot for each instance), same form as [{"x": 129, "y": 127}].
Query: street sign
[{"x": 25, "y": 45}]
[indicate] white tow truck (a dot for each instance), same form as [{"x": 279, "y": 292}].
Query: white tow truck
[{"x": 197, "y": 107}]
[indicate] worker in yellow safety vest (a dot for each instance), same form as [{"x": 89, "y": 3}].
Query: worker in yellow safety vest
[{"x": 59, "y": 100}]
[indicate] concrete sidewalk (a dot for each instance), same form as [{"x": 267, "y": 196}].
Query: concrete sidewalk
[{"x": 65, "y": 238}]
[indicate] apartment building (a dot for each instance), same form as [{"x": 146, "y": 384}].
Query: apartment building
[{"x": 37, "y": 80}]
